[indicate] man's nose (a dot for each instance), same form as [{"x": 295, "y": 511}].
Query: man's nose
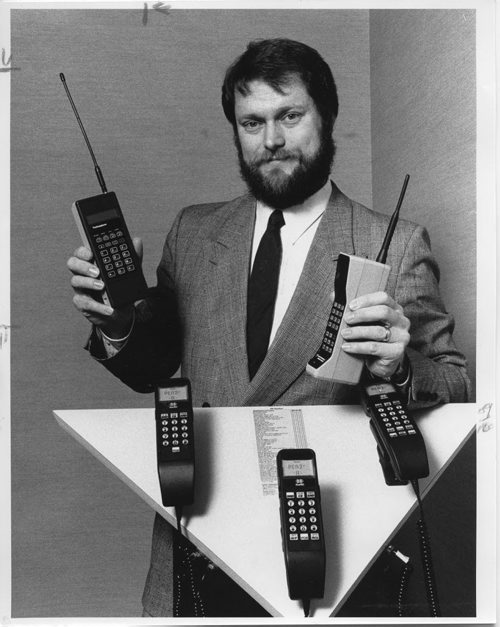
[{"x": 273, "y": 137}]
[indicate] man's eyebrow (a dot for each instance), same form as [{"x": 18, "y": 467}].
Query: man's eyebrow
[{"x": 278, "y": 113}]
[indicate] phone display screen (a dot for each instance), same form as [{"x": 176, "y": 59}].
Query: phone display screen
[
  {"x": 102, "y": 216},
  {"x": 178, "y": 393},
  {"x": 379, "y": 388},
  {"x": 298, "y": 468}
]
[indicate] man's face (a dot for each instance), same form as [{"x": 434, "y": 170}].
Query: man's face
[{"x": 283, "y": 155}]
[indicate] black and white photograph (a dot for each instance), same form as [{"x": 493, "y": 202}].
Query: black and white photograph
[{"x": 247, "y": 333}]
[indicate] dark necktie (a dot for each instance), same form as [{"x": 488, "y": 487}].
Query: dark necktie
[{"x": 262, "y": 288}]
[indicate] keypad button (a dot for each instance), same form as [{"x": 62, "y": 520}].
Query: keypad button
[
  {"x": 311, "y": 494},
  {"x": 126, "y": 253},
  {"x": 130, "y": 268},
  {"x": 313, "y": 519},
  {"x": 292, "y": 520},
  {"x": 111, "y": 274},
  {"x": 314, "y": 536},
  {"x": 165, "y": 436},
  {"x": 314, "y": 527},
  {"x": 185, "y": 442},
  {"x": 312, "y": 511},
  {"x": 302, "y": 519},
  {"x": 121, "y": 270},
  {"x": 311, "y": 502},
  {"x": 294, "y": 536},
  {"x": 300, "y": 495},
  {"x": 301, "y": 503},
  {"x": 291, "y": 511},
  {"x": 304, "y": 536},
  {"x": 293, "y": 528},
  {"x": 175, "y": 449},
  {"x": 290, "y": 503},
  {"x": 302, "y": 511},
  {"x": 303, "y": 527}
]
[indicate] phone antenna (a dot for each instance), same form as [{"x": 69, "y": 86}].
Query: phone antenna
[
  {"x": 97, "y": 169},
  {"x": 382, "y": 256}
]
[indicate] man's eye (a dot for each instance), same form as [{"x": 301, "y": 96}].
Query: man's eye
[
  {"x": 292, "y": 117},
  {"x": 250, "y": 125}
]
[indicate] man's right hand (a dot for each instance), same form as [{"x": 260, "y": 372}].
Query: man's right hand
[{"x": 87, "y": 287}]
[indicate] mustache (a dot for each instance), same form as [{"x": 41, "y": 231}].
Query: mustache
[{"x": 279, "y": 155}]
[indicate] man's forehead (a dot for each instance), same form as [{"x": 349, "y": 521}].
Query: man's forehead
[{"x": 262, "y": 92}]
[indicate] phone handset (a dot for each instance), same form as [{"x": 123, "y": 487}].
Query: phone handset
[
  {"x": 103, "y": 230},
  {"x": 301, "y": 524},
  {"x": 175, "y": 441},
  {"x": 355, "y": 276},
  {"x": 400, "y": 444}
]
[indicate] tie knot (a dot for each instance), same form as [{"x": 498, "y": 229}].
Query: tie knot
[{"x": 276, "y": 220}]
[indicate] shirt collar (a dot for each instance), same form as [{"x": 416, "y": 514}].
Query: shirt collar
[{"x": 299, "y": 217}]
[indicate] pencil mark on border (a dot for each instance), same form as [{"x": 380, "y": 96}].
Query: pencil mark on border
[
  {"x": 157, "y": 6},
  {"x": 4, "y": 334},
  {"x": 486, "y": 422}
]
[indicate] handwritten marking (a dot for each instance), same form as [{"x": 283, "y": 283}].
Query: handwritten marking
[
  {"x": 157, "y": 6},
  {"x": 485, "y": 423},
  {"x": 4, "y": 334},
  {"x": 7, "y": 67}
]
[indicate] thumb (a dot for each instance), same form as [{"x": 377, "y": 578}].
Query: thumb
[{"x": 137, "y": 242}]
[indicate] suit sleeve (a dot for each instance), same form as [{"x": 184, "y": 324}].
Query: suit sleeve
[
  {"x": 153, "y": 350},
  {"x": 438, "y": 368}
]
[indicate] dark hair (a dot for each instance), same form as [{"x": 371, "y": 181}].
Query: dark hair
[{"x": 276, "y": 62}]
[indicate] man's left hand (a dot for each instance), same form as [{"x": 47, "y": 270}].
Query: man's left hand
[{"x": 378, "y": 329}]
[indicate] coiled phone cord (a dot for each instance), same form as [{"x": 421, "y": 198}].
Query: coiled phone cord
[{"x": 425, "y": 551}]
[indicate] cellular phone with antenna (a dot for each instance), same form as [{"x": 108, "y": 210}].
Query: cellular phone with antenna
[
  {"x": 103, "y": 230},
  {"x": 355, "y": 276}
]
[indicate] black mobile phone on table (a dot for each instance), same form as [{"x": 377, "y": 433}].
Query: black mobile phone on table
[
  {"x": 301, "y": 523},
  {"x": 175, "y": 441},
  {"x": 400, "y": 444}
]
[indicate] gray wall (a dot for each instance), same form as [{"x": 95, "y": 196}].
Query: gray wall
[
  {"x": 149, "y": 98},
  {"x": 423, "y": 111}
]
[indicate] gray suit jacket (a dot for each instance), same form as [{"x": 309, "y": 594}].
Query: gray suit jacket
[{"x": 196, "y": 317}]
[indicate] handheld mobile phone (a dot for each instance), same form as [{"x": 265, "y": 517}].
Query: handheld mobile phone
[
  {"x": 301, "y": 523},
  {"x": 103, "y": 230},
  {"x": 355, "y": 276},
  {"x": 175, "y": 441},
  {"x": 400, "y": 444}
]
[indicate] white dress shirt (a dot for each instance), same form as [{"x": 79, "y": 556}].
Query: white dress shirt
[{"x": 301, "y": 222}]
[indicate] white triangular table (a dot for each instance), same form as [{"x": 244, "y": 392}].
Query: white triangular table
[{"x": 237, "y": 526}]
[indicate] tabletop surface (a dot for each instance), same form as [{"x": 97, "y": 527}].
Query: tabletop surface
[{"x": 235, "y": 517}]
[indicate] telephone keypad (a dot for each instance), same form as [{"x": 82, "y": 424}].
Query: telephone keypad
[
  {"x": 308, "y": 528},
  {"x": 332, "y": 327},
  {"x": 114, "y": 251},
  {"x": 394, "y": 419},
  {"x": 170, "y": 425}
]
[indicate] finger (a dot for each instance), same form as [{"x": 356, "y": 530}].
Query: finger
[
  {"x": 138, "y": 245},
  {"x": 82, "y": 252},
  {"x": 79, "y": 282},
  {"x": 376, "y": 333},
  {"x": 375, "y": 298},
  {"x": 380, "y": 350},
  {"x": 84, "y": 268},
  {"x": 375, "y": 313},
  {"x": 89, "y": 306}
]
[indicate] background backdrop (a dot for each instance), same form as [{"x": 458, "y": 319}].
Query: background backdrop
[{"x": 147, "y": 86}]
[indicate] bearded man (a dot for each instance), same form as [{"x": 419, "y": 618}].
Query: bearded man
[{"x": 244, "y": 287}]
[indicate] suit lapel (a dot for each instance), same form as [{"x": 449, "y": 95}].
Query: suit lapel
[
  {"x": 300, "y": 333},
  {"x": 231, "y": 244}
]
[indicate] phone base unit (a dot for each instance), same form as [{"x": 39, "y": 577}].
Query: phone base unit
[
  {"x": 301, "y": 523},
  {"x": 102, "y": 228},
  {"x": 400, "y": 444},
  {"x": 355, "y": 276},
  {"x": 175, "y": 442}
]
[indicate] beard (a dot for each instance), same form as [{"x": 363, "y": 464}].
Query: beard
[{"x": 280, "y": 190}]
